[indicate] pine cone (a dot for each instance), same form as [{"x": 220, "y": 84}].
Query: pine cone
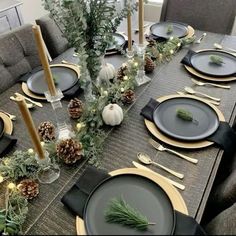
[
  {"x": 75, "y": 108},
  {"x": 121, "y": 72},
  {"x": 29, "y": 188},
  {"x": 149, "y": 65},
  {"x": 69, "y": 151},
  {"x": 46, "y": 131},
  {"x": 128, "y": 96}
]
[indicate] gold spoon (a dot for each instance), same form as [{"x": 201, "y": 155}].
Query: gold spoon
[
  {"x": 12, "y": 117},
  {"x": 144, "y": 158},
  {"x": 192, "y": 91}
]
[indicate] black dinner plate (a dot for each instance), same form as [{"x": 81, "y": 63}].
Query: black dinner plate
[
  {"x": 119, "y": 41},
  {"x": 168, "y": 122},
  {"x": 140, "y": 193},
  {"x": 160, "y": 29},
  {"x": 202, "y": 63},
  {"x": 65, "y": 77},
  {"x": 1, "y": 127}
]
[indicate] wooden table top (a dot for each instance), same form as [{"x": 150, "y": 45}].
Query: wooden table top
[{"x": 47, "y": 215}]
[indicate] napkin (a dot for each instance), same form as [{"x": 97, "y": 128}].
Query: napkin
[
  {"x": 76, "y": 197},
  {"x": 225, "y": 136},
  {"x": 6, "y": 144}
]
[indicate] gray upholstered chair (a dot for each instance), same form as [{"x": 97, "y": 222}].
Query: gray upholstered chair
[
  {"x": 224, "y": 223},
  {"x": 18, "y": 55},
  {"x": 52, "y": 35},
  {"x": 207, "y": 15}
]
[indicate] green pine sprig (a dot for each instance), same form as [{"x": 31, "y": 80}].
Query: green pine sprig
[
  {"x": 216, "y": 59},
  {"x": 121, "y": 213},
  {"x": 169, "y": 29},
  {"x": 186, "y": 115}
]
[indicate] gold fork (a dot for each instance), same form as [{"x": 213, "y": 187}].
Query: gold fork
[{"x": 161, "y": 148}]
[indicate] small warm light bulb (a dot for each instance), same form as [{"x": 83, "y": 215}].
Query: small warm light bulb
[
  {"x": 125, "y": 77},
  {"x": 42, "y": 143},
  {"x": 171, "y": 51},
  {"x": 136, "y": 64},
  {"x": 171, "y": 38},
  {"x": 179, "y": 44},
  {"x": 11, "y": 186},
  {"x": 30, "y": 151},
  {"x": 122, "y": 90},
  {"x": 1, "y": 179}
]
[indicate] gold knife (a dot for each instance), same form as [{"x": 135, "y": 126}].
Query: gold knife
[
  {"x": 30, "y": 100},
  {"x": 142, "y": 167}
]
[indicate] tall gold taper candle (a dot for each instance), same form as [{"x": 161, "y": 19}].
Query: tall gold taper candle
[
  {"x": 129, "y": 29},
  {"x": 44, "y": 60},
  {"x": 30, "y": 126},
  {"x": 140, "y": 20}
]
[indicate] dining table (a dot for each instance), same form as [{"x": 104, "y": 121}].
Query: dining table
[{"x": 47, "y": 214}]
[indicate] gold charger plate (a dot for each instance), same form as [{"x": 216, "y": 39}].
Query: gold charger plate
[
  {"x": 175, "y": 197},
  {"x": 178, "y": 143},
  {"x": 192, "y": 71},
  {"x": 27, "y": 92},
  {"x": 8, "y": 126}
]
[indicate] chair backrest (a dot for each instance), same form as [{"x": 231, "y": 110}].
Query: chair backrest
[
  {"x": 224, "y": 223},
  {"x": 52, "y": 36},
  {"x": 208, "y": 15},
  {"x": 18, "y": 55}
]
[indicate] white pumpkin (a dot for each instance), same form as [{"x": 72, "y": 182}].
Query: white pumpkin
[
  {"x": 112, "y": 114},
  {"x": 107, "y": 72}
]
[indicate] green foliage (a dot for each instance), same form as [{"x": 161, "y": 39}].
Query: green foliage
[
  {"x": 88, "y": 26},
  {"x": 216, "y": 60},
  {"x": 184, "y": 114},
  {"x": 14, "y": 215},
  {"x": 169, "y": 29},
  {"x": 20, "y": 164},
  {"x": 121, "y": 212}
]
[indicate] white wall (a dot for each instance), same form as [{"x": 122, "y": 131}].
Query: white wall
[{"x": 31, "y": 10}]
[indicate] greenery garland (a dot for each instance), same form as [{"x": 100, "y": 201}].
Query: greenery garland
[{"x": 90, "y": 132}]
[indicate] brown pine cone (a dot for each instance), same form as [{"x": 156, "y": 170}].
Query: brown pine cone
[
  {"x": 69, "y": 151},
  {"x": 149, "y": 65},
  {"x": 121, "y": 72},
  {"x": 75, "y": 108},
  {"x": 128, "y": 96},
  {"x": 46, "y": 131},
  {"x": 29, "y": 188}
]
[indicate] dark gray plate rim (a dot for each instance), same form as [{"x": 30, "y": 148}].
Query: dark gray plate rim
[
  {"x": 229, "y": 55},
  {"x": 133, "y": 175},
  {"x": 183, "y": 25},
  {"x": 1, "y": 127},
  {"x": 52, "y": 67},
  {"x": 162, "y": 128}
]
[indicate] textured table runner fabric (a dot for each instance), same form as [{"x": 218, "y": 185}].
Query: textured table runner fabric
[
  {"x": 76, "y": 198},
  {"x": 224, "y": 136},
  {"x": 6, "y": 143}
]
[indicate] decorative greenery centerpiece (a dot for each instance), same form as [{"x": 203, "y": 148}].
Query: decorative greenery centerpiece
[
  {"x": 120, "y": 212},
  {"x": 216, "y": 60},
  {"x": 186, "y": 115},
  {"x": 88, "y": 26}
]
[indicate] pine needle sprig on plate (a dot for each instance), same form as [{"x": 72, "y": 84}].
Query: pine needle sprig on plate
[{"x": 122, "y": 213}]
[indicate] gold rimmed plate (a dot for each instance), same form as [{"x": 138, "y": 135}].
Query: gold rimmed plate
[
  {"x": 31, "y": 94},
  {"x": 192, "y": 71},
  {"x": 8, "y": 126},
  {"x": 174, "y": 196},
  {"x": 181, "y": 143}
]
